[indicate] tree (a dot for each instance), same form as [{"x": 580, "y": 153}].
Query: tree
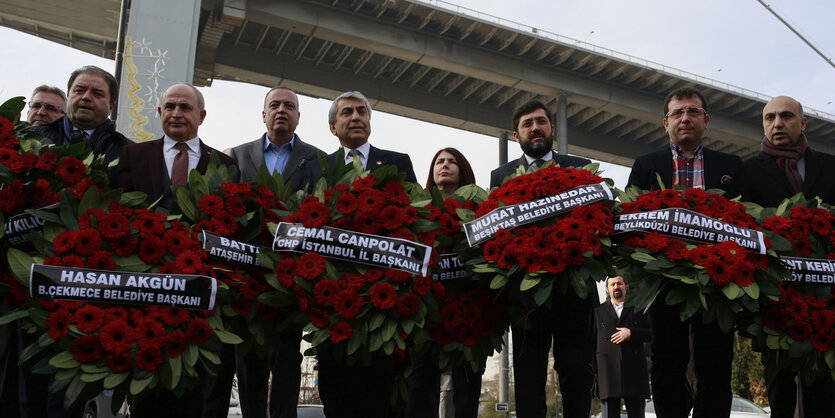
[{"x": 747, "y": 372}]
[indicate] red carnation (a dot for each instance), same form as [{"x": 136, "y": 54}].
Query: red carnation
[
  {"x": 325, "y": 292},
  {"x": 114, "y": 225},
  {"x": 346, "y": 204},
  {"x": 340, "y": 332},
  {"x": 119, "y": 363},
  {"x": 175, "y": 343},
  {"x": 311, "y": 265},
  {"x": 47, "y": 161},
  {"x": 124, "y": 246},
  {"x": 242, "y": 306},
  {"x": 57, "y": 324},
  {"x": 235, "y": 206},
  {"x": 210, "y": 205},
  {"x": 353, "y": 282},
  {"x": 115, "y": 313},
  {"x": 71, "y": 170},
  {"x": 800, "y": 330},
  {"x": 151, "y": 250},
  {"x": 319, "y": 318},
  {"x": 348, "y": 304},
  {"x": 822, "y": 341},
  {"x": 150, "y": 224},
  {"x": 63, "y": 242},
  {"x": 743, "y": 273},
  {"x": 198, "y": 331},
  {"x": 87, "y": 241},
  {"x": 117, "y": 337},
  {"x": 88, "y": 319},
  {"x": 149, "y": 332},
  {"x": 174, "y": 317},
  {"x": 408, "y": 305},
  {"x": 149, "y": 358},
  {"x": 314, "y": 213},
  {"x": 101, "y": 260},
  {"x": 177, "y": 241},
  {"x": 188, "y": 262},
  {"x": 383, "y": 295},
  {"x": 86, "y": 349},
  {"x": 73, "y": 260}
]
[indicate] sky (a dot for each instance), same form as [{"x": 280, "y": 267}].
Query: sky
[{"x": 737, "y": 42}]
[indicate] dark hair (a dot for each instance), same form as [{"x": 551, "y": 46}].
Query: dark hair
[
  {"x": 112, "y": 84},
  {"x": 683, "y": 93},
  {"x": 465, "y": 171},
  {"x": 528, "y": 108}
]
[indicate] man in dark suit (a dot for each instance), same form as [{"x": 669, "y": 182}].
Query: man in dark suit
[
  {"x": 620, "y": 360},
  {"x": 687, "y": 163},
  {"x": 787, "y": 166},
  {"x": 280, "y": 150},
  {"x": 154, "y": 166},
  {"x": 568, "y": 321},
  {"x": 362, "y": 389},
  {"x": 91, "y": 96},
  {"x": 533, "y": 129}
]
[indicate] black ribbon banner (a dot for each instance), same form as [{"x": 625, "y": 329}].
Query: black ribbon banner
[
  {"x": 86, "y": 285},
  {"x": 814, "y": 271},
  {"x": 341, "y": 244},
  {"x": 230, "y": 250},
  {"x": 18, "y": 226},
  {"x": 511, "y": 216},
  {"x": 450, "y": 267},
  {"x": 688, "y": 225}
]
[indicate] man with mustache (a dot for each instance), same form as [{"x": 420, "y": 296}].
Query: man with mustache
[
  {"x": 685, "y": 162},
  {"x": 787, "y": 166},
  {"x": 47, "y": 104},
  {"x": 92, "y": 94},
  {"x": 620, "y": 360},
  {"x": 568, "y": 321},
  {"x": 279, "y": 150}
]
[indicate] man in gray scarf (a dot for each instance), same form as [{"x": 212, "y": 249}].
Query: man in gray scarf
[{"x": 787, "y": 166}]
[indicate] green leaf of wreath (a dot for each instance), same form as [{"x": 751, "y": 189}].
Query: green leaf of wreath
[
  {"x": 752, "y": 290},
  {"x": 93, "y": 377},
  {"x": 20, "y": 264},
  {"x": 731, "y": 291},
  {"x": 64, "y": 360},
  {"x": 528, "y": 283},
  {"x": 498, "y": 282},
  {"x": 376, "y": 320},
  {"x": 138, "y": 385},
  {"x": 228, "y": 337},
  {"x": 642, "y": 257},
  {"x": 112, "y": 380},
  {"x": 389, "y": 327}
]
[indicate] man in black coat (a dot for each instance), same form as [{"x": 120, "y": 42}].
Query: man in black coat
[
  {"x": 91, "y": 96},
  {"x": 568, "y": 321},
  {"x": 359, "y": 390},
  {"x": 280, "y": 150},
  {"x": 687, "y": 163},
  {"x": 787, "y": 166},
  {"x": 620, "y": 360}
]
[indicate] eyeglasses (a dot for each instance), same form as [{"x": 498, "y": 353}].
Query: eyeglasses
[
  {"x": 692, "y": 111},
  {"x": 47, "y": 106}
]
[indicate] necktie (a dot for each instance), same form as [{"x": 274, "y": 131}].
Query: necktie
[
  {"x": 538, "y": 162},
  {"x": 78, "y": 136},
  {"x": 355, "y": 155},
  {"x": 179, "y": 172}
]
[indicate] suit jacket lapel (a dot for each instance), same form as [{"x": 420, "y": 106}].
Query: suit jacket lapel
[
  {"x": 664, "y": 166},
  {"x": 255, "y": 154},
  {"x": 776, "y": 174},
  {"x": 203, "y": 162},
  {"x": 294, "y": 161},
  {"x": 157, "y": 160},
  {"x": 374, "y": 157}
]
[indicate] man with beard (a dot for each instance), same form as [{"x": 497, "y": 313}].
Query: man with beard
[
  {"x": 685, "y": 162},
  {"x": 533, "y": 129},
  {"x": 568, "y": 321},
  {"x": 47, "y": 104},
  {"x": 620, "y": 360},
  {"x": 787, "y": 166},
  {"x": 92, "y": 94},
  {"x": 279, "y": 150}
]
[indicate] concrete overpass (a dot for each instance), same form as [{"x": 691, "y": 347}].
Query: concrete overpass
[{"x": 434, "y": 62}]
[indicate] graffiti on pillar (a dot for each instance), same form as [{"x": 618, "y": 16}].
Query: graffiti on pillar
[{"x": 143, "y": 110}]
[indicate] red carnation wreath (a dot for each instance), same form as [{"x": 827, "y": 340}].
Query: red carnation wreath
[
  {"x": 131, "y": 349},
  {"x": 800, "y": 325},
  {"x": 717, "y": 279}
]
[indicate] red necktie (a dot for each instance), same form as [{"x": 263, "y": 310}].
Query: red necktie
[{"x": 179, "y": 172}]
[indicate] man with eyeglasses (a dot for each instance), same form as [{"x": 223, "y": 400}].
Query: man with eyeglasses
[
  {"x": 685, "y": 162},
  {"x": 91, "y": 94},
  {"x": 47, "y": 104}
]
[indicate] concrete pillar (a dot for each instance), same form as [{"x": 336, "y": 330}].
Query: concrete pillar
[
  {"x": 562, "y": 124},
  {"x": 504, "y": 375},
  {"x": 160, "y": 47},
  {"x": 503, "y": 148}
]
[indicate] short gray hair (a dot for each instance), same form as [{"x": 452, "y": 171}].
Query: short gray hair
[
  {"x": 347, "y": 95},
  {"x": 54, "y": 90}
]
